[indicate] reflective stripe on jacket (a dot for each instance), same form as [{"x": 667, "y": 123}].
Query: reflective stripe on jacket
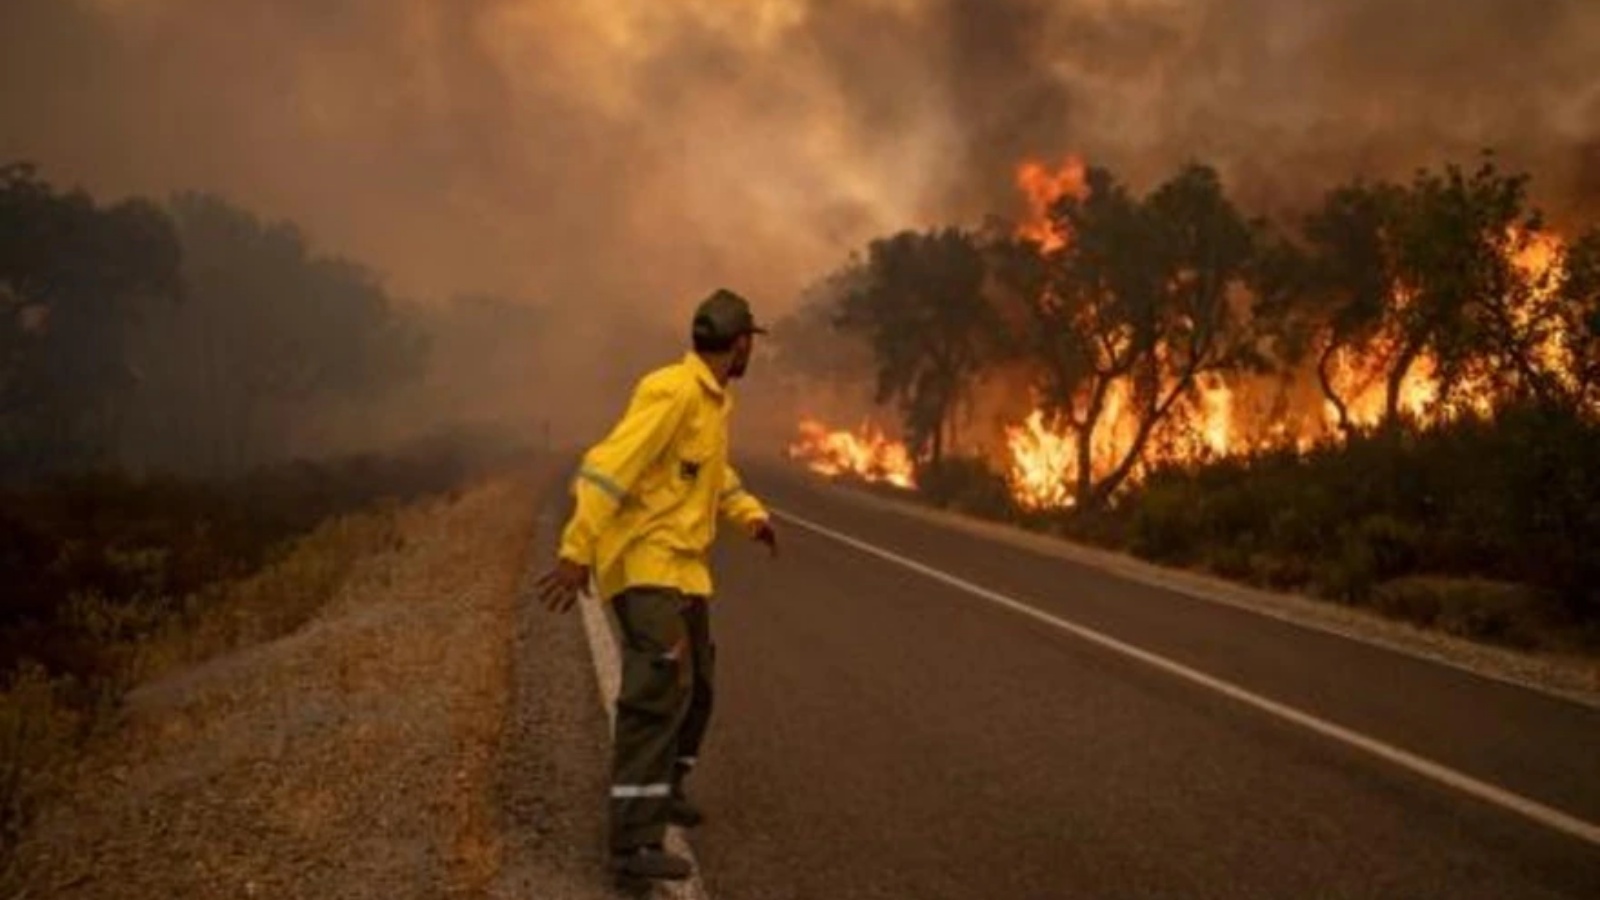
[{"x": 649, "y": 495}]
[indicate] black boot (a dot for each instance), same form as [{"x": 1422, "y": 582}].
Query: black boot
[
  {"x": 651, "y": 863},
  {"x": 681, "y": 811}
]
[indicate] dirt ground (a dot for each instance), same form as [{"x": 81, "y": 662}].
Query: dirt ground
[{"x": 432, "y": 733}]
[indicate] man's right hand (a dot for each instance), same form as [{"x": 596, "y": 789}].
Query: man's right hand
[
  {"x": 761, "y": 532},
  {"x": 559, "y": 587}
]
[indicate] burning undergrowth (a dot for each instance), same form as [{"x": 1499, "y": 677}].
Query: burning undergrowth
[{"x": 865, "y": 454}]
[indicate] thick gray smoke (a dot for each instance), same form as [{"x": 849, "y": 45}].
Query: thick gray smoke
[{"x": 623, "y": 156}]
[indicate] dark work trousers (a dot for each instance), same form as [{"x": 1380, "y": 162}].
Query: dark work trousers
[{"x": 663, "y": 707}]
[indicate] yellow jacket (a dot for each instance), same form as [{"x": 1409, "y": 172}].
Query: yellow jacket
[{"x": 648, "y": 496}]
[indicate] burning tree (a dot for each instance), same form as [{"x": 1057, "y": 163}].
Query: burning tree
[
  {"x": 1330, "y": 294},
  {"x": 1460, "y": 291},
  {"x": 918, "y": 298},
  {"x": 1141, "y": 301},
  {"x": 1423, "y": 300},
  {"x": 1579, "y": 293},
  {"x": 1107, "y": 334}
]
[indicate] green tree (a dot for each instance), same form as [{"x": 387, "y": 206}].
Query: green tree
[
  {"x": 75, "y": 277},
  {"x": 1148, "y": 294},
  {"x": 919, "y": 300},
  {"x": 268, "y": 330}
]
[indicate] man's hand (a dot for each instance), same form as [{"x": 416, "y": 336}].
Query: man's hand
[
  {"x": 559, "y": 587},
  {"x": 761, "y": 532}
]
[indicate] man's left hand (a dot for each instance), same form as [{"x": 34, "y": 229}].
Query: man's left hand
[
  {"x": 559, "y": 587},
  {"x": 761, "y": 532}
]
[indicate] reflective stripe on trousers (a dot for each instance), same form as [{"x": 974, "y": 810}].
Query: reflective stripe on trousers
[{"x": 632, "y": 791}]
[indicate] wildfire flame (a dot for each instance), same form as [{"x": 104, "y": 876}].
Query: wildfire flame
[
  {"x": 865, "y": 454},
  {"x": 1221, "y": 416},
  {"x": 1358, "y": 377},
  {"x": 1044, "y": 462},
  {"x": 1042, "y": 459},
  {"x": 1042, "y": 187},
  {"x": 1540, "y": 260}
]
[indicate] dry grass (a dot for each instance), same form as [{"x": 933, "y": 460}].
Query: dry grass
[
  {"x": 272, "y": 602},
  {"x": 38, "y": 733},
  {"x": 44, "y": 720},
  {"x": 352, "y": 757}
]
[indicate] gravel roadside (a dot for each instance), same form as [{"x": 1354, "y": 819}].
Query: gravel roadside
[
  {"x": 427, "y": 735},
  {"x": 553, "y": 770}
]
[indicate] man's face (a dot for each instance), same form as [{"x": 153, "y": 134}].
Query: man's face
[{"x": 741, "y": 356}]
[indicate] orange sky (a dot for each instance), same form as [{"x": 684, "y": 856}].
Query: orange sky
[{"x": 628, "y": 154}]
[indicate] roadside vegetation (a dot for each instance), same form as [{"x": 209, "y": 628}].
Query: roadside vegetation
[
  {"x": 206, "y": 425},
  {"x": 112, "y": 580},
  {"x": 1478, "y": 527}
]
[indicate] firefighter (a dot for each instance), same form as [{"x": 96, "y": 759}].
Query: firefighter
[{"x": 648, "y": 499}]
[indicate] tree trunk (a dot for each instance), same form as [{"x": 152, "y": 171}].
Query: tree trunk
[
  {"x": 1084, "y": 490},
  {"x": 1147, "y": 426},
  {"x": 1328, "y": 390},
  {"x": 1396, "y": 380}
]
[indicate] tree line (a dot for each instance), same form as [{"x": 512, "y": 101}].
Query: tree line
[
  {"x": 1152, "y": 292},
  {"x": 195, "y": 337}
]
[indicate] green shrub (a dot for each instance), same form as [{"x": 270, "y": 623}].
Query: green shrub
[
  {"x": 1348, "y": 574},
  {"x": 1167, "y": 522},
  {"x": 38, "y": 736},
  {"x": 122, "y": 579},
  {"x": 1294, "y": 529},
  {"x": 98, "y": 559},
  {"x": 1413, "y": 600},
  {"x": 1508, "y": 614},
  {"x": 1505, "y": 614},
  {"x": 1279, "y": 572},
  {"x": 1390, "y": 544},
  {"x": 1228, "y": 560},
  {"x": 1512, "y": 499},
  {"x": 968, "y": 485}
]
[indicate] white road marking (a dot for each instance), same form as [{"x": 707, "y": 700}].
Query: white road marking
[
  {"x": 1538, "y": 812},
  {"x": 608, "y": 677}
]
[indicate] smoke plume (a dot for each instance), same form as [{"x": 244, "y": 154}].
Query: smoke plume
[{"x": 618, "y": 158}]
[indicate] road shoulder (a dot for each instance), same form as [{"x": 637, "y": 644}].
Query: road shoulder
[{"x": 553, "y": 775}]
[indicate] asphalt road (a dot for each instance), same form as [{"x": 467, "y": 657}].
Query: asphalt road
[{"x": 882, "y": 734}]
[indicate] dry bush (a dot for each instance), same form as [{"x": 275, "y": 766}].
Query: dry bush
[{"x": 118, "y": 580}]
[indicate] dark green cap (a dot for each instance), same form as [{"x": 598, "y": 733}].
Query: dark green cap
[{"x": 723, "y": 317}]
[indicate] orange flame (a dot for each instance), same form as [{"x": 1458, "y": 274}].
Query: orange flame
[
  {"x": 865, "y": 454},
  {"x": 1358, "y": 377},
  {"x": 1044, "y": 460},
  {"x": 1042, "y": 188},
  {"x": 1540, "y": 259},
  {"x": 1044, "y": 464}
]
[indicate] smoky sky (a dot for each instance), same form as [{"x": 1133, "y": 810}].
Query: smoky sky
[{"x": 628, "y": 155}]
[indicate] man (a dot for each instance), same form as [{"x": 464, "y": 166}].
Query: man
[{"x": 648, "y": 499}]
